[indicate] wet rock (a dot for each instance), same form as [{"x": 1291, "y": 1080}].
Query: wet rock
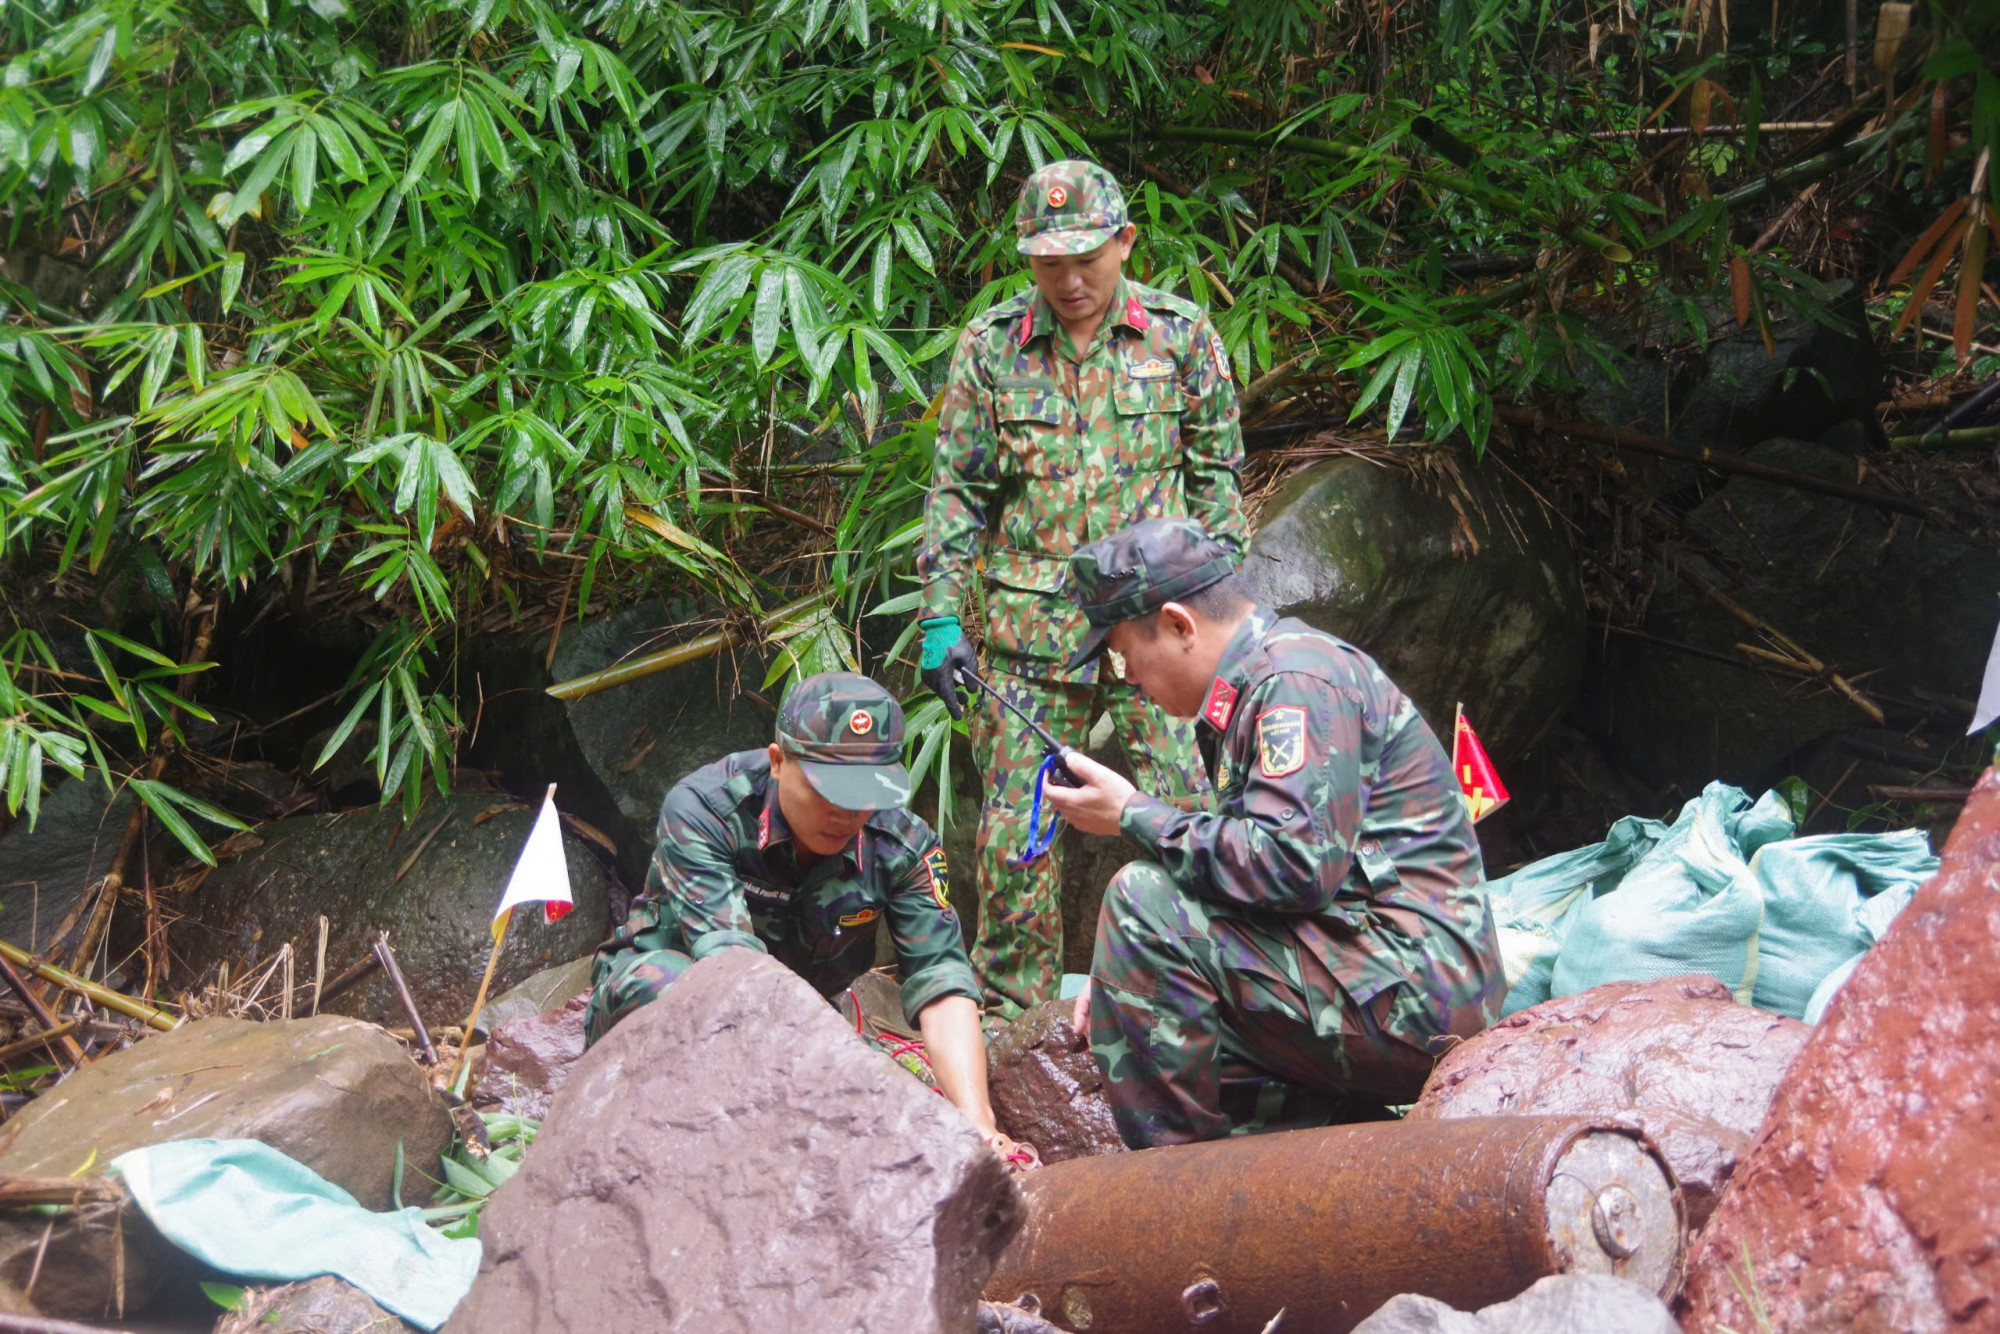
[
  {"x": 1445, "y": 571},
  {"x": 1865, "y": 591},
  {"x": 44, "y": 872},
  {"x": 1559, "y": 1304},
  {"x": 1012, "y": 1318},
  {"x": 1677, "y": 1057},
  {"x": 617, "y": 752},
  {"x": 1046, "y": 1087},
  {"x": 1871, "y": 1200},
  {"x": 528, "y": 1059},
  {"x": 550, "y": 989},
  {"x": 437, "y": 914},
  {"x": 336, "y": 1094},
  {"x": 324, "y": 1305},
  {"x": 730, "y": 1159},
  {"x": 1737, "y": 392}
]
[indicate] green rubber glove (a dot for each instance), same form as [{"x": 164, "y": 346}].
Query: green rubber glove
[{"x": 946, "y": 653}]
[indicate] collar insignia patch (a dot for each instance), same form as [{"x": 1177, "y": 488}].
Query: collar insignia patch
[{"x": 1221, "y": 703}]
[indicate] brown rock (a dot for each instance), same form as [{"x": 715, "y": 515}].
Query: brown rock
[
  {"x": 1677, "y": 1057},
  {"x": 1871, "y": 1200},
  {"x": 527, "y": 1060},
  {"x": 334, "y": 1093},
  {"x": 324, "y": 1305},
  {"x": 730, "y": 1159},
  {"x": 1046, "y": 1087}
]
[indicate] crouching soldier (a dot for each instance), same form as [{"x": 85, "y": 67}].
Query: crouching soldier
[
  {"x": 1323, "y": 933},
  {"x": 803, "y": 850}
]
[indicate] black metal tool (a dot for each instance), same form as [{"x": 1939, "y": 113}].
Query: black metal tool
[{"x": 1059, "y": 773}]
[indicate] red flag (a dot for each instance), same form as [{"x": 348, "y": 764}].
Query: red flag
[{"x": 1481, "y": 785}]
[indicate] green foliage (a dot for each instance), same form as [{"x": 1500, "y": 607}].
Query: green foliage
[
  {"x": 469, "y": 1177},
  {"x": 460, "y": 300}
]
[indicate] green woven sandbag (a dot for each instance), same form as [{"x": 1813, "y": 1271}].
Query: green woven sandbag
[
  {"x": 1690, "y": 905},
  {"x": 1827, "y": 898}
]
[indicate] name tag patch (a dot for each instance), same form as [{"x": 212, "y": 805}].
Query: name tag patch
[
  {"x": 1152, "y": 368},
  {"x": 1281, "y": 741}
]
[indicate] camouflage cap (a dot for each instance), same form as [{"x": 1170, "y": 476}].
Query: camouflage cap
[
  {"x": 847, "y": 733},
  {"x": 1069, "y": 208},
  {"x": 1138, "y": 570}
]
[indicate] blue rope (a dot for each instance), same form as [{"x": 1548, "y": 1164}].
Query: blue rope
[{"x": 1040, "y": 840}]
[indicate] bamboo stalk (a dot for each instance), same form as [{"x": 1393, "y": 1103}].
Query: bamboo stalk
[
  {"x": 402, "y": 989},
  {"x": 18, "y": 1190},
  {"x": 97, "y": 995},
  {"x": 33, "y": 1040},
  {"x": 1970, "y": 435},
  {"x": 707, "y": 646},
  {"x": 35, "y": 1324},
  {"x": 1679, "y": 131},
  {"x": 35, "y": 1005},
  {"x": 1956, "y": 796}
]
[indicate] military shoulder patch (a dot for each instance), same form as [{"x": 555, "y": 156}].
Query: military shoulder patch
[
  {"x": 939, "y": 876},
  {"x": 1222, "y": 366},
  {"x": 1281, "y": 740},
  {"x": 862, "y": 918},
  {"x": 1152, "y": 368}
]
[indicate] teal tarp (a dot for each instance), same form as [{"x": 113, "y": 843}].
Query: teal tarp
[
  {"x": 248, "y": 1210},
  {"x": 1724, "y": 890}
]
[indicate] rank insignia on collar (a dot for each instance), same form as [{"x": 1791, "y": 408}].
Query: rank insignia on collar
[
  {"x": 1281, "y": 741},
  {"x": 1152, "y": 368},
  {"x": 1135, "y": 314},
  {"x": 1221, "y": 703}
]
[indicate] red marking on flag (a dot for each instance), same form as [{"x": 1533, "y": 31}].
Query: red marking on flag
[
  {"x": 553, "y": 911},
  {"x": 1221, "y": 703}
]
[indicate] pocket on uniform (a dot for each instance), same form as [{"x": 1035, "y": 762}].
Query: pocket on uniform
[
  {"x": 1149, "y": 417},
  {"x": 1029, "y": 422}
]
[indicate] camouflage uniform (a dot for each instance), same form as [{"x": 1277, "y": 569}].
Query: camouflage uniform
[
  {"x": 1042, "y": 447},
  {"x": 1325, "y": 931},
  {"x": 726, "y": 872}
]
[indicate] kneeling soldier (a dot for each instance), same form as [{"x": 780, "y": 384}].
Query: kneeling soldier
[
  {"x": 1322, "y": 934},
  {"x": 803, "y": 850}
]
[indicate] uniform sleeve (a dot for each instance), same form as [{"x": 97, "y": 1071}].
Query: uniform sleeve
[
  {"x": 930, "y": 951},
  {"x": 1212, "y": 437},
  {"x": 694, "y": 877},
  {"x": 1290, "y": 849},
  {"x": 964, "y": 482}
]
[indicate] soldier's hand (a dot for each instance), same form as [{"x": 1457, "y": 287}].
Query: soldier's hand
[
  {"x": 1099, "y": 799},
  {"x": 1079, "y": 1014},
  {"x": 946, "y": 652}
]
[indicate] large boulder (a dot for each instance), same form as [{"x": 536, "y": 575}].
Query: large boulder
[
  {"x": 336, "y": 1094},
  {"x": 1444, "y": 570},
  {"x": 1558, "y": 1304},
  {"x": 550, "y": 989},
  {"x": 1864, "y": 591},
  {"x": 731, "y": 1159},
  {"x": 1678, "y": 1057},
  {"x": 1047, "y": 1089},
  {"x": 1735, "y": 391},
  {"x": 431, "y": 884},
  {"x": 48, "y": 868},
  {"x": 1871, "y": 1199}
]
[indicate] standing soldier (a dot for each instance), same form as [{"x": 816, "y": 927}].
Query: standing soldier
[
  {"x": 1073, "y": 410},
  {"x": 1321, "y": 935}
]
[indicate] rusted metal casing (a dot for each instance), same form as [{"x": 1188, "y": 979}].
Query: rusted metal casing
[{"x": 1327, "y": 1225}]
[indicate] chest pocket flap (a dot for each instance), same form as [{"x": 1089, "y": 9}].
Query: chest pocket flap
[
  {"x": 1135, "y": 397},
  {"x": 1025, "y": 400}
]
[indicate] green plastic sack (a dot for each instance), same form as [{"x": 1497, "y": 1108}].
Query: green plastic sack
[
  {"x": 1533, "y": 907},
  {"x": 1691, "y": 904},
  {"x": 1827, "y": 898}
]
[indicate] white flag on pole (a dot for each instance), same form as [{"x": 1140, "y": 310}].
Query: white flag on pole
[
  {"x": 1989, "y": 692},
  {"x": 541, "y": 875}
]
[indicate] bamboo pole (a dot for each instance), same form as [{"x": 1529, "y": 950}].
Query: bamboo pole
[
  {"x": 707, "y": 646},
  {"x": 1970, "y": 435},
  {"x": 37, "y": 1008},
  {"x": 105, "y": 996}
]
